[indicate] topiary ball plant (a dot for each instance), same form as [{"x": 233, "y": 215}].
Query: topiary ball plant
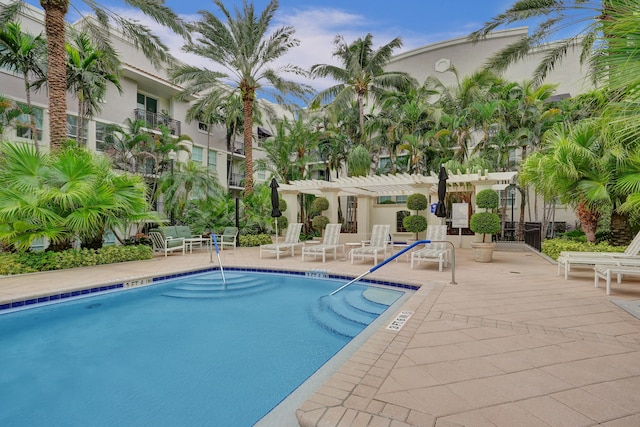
[
  {"x": 417, "y": 202},
  {"x": 319, "y": 204},
  {"x": 487, "y": 199},
  {"x": 416, "y": 223},
  {"x": 486, "y": 222},
  {"x": 319, "y": 222}
]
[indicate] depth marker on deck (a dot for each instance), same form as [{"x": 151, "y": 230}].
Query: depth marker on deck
[{"x": 400, "y": 320}]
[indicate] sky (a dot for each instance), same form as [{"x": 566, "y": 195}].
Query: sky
[{"x": 318, "y": 22}]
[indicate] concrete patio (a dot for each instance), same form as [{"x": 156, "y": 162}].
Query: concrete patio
[{"x": 511, "y": 344}]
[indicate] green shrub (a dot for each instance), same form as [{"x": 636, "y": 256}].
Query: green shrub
[
  {"x": 417, "y": 202},
  {"x": 283, "y": 222},
  {"x": 485, "y": 223},
  {"x": 319, "y": 222},
  {"x": 30, "y": 262},
  {"x": 487, "y": 199},
  {"x": 415, "y": 223},
  {"x": 319, "y": 204},
  {"x": 251, "y": 240},
  {"x": 282, "y": 205},
  {"x": 387, "y": 202},
  {"x": 553, "y": 247}
]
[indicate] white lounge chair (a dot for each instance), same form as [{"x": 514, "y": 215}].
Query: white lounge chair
[
  {"x": 606, "y": 271},
  {"x": 229, "y": 237},
  {"x": 433, "y": 252},
  {"x": 331, "y": 242},
  {"x": 291, "y": 240},
  {"x": 377, "y": 245},
  {"x": 568, "y": 258},
  {"x": 160, "y": 244}
]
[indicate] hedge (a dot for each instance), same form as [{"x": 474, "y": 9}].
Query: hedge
[{"x": 553, "y": 247}]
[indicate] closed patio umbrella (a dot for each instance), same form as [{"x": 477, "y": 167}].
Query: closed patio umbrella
[
  {"x": 441, "y": 208},
  {"x": 275, "y": 203}
]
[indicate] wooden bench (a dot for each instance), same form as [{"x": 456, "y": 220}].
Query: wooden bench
[{"x": 606, "y": 271}]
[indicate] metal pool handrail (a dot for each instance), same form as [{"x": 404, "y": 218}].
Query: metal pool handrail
[
  {"x": 408, "y": 248},
  {"x": 215, "y": 244}
]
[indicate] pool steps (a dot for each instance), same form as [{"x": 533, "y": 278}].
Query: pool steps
[
  {"x": 347, "y": 313},
  {"x": 207, "y": 288}
]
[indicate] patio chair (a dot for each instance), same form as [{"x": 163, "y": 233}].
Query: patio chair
[
  {"x": 629, "y": 256},
  {"x": 433, "y": 252},
  {"x": 291, "y": 240},
  {"x": 160, "y": 244},
  {"x": 331, "y": 242},
  {"x": 229, "y": 237},
  {"x": 378, "y": 244}
]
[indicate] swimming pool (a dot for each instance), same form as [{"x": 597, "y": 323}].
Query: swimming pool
[{"x": 187, "y": 351}]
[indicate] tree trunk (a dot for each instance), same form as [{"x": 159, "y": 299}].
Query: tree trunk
[
  {"x": 55, "y": 11},
  {"x": 589, "y": 221},
  {"x": 523, "y": 204},
  {"x": 32, "y": 119},
  {"x": 620, "y": 230},
  {"x": 361, "y": 116},
  {"x": 248, "y": 140}
]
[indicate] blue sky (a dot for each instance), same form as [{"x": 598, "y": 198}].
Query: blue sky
[{"x": 317, "y": 22}]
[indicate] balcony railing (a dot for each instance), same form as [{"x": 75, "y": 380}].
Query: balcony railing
[
  {"x": 236, "y": 147},
  {"x": 236, "y": 180},
  {"x": 155, "y": 119}
]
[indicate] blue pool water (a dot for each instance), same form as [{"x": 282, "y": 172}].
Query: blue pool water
[{"x": 188, "y": 351}]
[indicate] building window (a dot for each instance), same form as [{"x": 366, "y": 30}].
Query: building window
[
  {"x": 23, "y": 123},
  {"x": 401, "y": 200},
  {"x": 382, "y": 200},
  {"x": 203, "y": 127},
  {"x": 213, "y": 160},
  {"x": 104, "y": 136},
  {"x": 196, "y": 154},
  {"x": 261, "y": 175},
  {"x": 147, "y": 103},
  {"x": 72, "y": 129},
  {"x": 400, "y": 216}
]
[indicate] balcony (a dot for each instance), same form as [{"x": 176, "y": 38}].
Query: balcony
[
  {"x": 236, "y": 147},
  {"x": 156, "y": 119},
  {"x": 236, "y": 180}
]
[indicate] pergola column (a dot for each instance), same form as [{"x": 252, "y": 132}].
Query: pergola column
[
  {"x": 332, "y": 212},
  {"x": 291, "y": 199}
]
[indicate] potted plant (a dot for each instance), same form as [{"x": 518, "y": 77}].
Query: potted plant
[
  {"x": 485, "y": 223},
  {"x": 416, "y": 223}
]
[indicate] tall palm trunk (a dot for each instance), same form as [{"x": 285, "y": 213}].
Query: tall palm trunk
[
  {"x": 80, "y": 136},
  {"x": 621, "y": 234},
  {"x": 32, "y": 119},
  {"x": 55, "y": 11},
  {"x": 247, "y": 99},
  {"x": 361, "y": 116}
]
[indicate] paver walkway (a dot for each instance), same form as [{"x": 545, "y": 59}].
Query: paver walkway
[{"x": 511, "y": 344}]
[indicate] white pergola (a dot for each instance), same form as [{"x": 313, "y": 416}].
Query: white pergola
[
  {"x": 368, "y": 188},
  {"x": 400, "y": 184}
]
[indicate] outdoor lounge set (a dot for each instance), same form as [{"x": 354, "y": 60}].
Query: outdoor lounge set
[
  {"x": 605, "y": 264},
  {"x": 173, "y": 238}
]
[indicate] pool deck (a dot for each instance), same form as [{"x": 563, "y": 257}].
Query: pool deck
[{"x": 511, "y": 344}]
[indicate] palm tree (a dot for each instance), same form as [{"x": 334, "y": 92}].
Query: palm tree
[
  {"x": 190, "y": 179},
  {"x": 362, "y": 75},
  {"x": 89, "y": 70},
  {"x": 55, "y": 29},
  {"x": 70, "y": 193},
  {"x": 247, "y": 48},
  {"x": 557, "y": 15},
  {"x": 10, "y": 111},
  {"x": 575, "y": 166},
  {"x": 23, "y": 53}
]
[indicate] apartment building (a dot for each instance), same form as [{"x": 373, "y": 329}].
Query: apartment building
[{"x": 147, "y": 94}]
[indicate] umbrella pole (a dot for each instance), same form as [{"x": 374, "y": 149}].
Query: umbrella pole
[{"x": 276, "y": 230}]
